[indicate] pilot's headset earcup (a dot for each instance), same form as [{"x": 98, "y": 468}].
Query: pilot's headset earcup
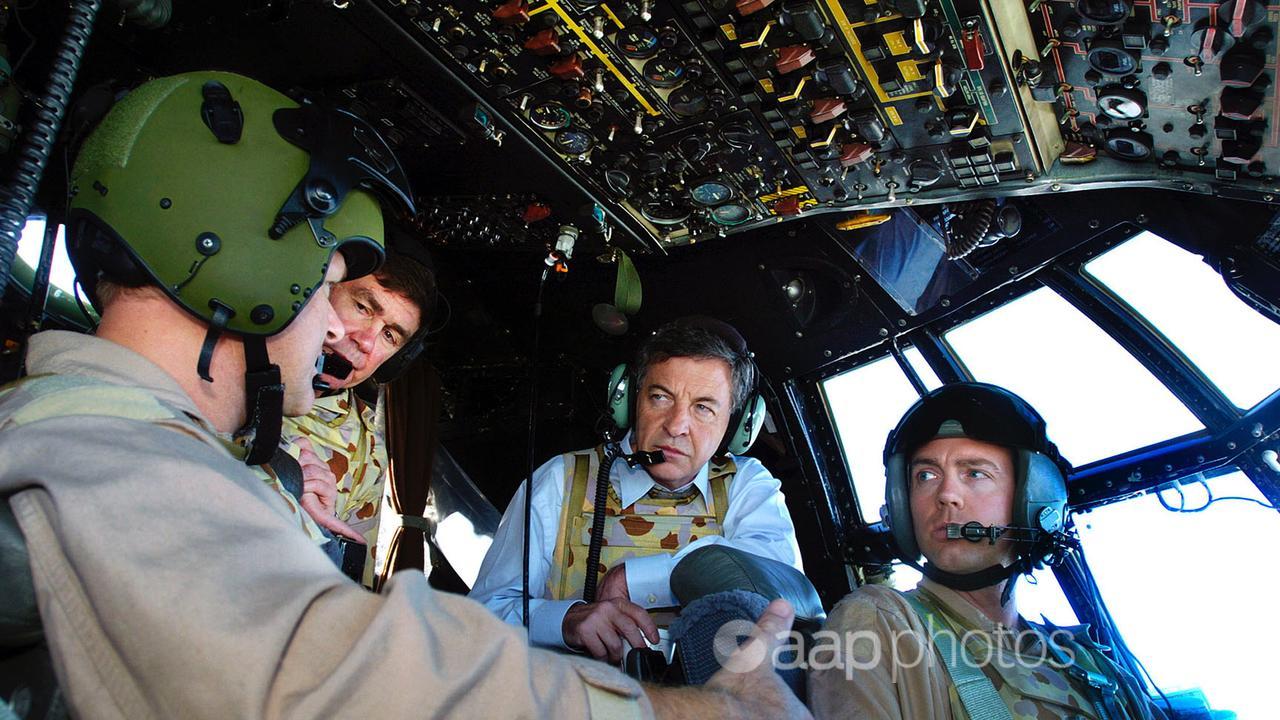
[
  {"x": 618, "y": 402},
  {"x": 741, "y": 436},
  {"x": 395, "y": 365}
]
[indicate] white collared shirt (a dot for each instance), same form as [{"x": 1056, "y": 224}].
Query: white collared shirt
[{"x": 756, "y": 521}]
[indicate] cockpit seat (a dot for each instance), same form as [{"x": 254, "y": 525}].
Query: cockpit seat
[{"x": 718, "y": 585}]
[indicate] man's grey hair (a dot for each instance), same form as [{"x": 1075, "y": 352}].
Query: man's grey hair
[{"x": 693, "y": 338}]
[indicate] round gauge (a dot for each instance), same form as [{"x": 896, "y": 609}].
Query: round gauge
[
  {"x": 1122, "y": 103},
  {"x": 664, "y": 71},
  {"x": 738, "y": 135},
  {"x": 550, "y": 116},
  {"x": 665, "y": 213},
  {"x": 1108, "y": 56},
  {"x": 730, "y": 215},
  {"x": 573, "y": 142},
  {"x": 1128, "y": 145},
  {"x": 711, "y": 192},
  {"x": 688, "y": 101},
  {"x": 1104, "y": 12},
  {"x": 637, "y": 42},
  {"x": 618, "y": 181}
]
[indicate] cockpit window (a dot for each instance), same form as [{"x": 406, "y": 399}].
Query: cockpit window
[
  {"x": 1187, "y": 301},
  {"x": 865, "y": 404},
  {"x": 921, "y": 366},
  {"x": 1097, "y": 399},
  {"x": 1194, "y": 591}
]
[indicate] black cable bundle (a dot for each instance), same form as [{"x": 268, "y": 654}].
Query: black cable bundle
[
  {"x": 611, "y": 453},
  {"x": 37, "y": 142},
  {"x": 968, "y": 226}
]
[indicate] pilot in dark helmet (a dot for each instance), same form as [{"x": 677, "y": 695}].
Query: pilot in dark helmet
[
  {"x": 975, "y": 486},
  {"x": 211, "y": 217}
]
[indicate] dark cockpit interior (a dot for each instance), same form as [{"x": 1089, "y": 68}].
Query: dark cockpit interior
[{"x": 842, "y": 180}]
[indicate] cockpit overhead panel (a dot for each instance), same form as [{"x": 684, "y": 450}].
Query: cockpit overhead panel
[{"x": 703, "y": 118}]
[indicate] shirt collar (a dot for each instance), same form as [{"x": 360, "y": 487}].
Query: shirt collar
[
  {"x": 968, "y": 614},
  {"x": 635, "y": 483},
  {"x": 68, "y": 353}
]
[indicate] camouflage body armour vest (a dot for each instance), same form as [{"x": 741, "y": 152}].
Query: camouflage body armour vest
[
  {"x": 651, "y": 525},
  {"x": 1029, "y": 682}
]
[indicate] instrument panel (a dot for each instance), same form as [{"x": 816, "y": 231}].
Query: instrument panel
[{"x": 697, "y": 119}]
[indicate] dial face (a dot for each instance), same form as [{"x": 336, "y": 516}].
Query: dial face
[
  {"x": 550, "y": 116},
  {"x": 730, "y": 215},
  {"x": 637, "y": 42},
  {"x": 664, "y": 71},
  {"x": 572, "y": 142},
  {"x": 711, "y": 192},
  {"x": 688, "y": 101},
  {"x": 665, "y": 213},
  {"x": 1121, "y": 103}
]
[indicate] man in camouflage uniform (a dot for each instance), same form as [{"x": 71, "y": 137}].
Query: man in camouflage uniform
[
  {"x": 340, "y": 445},
  {"x": 966, "y": 453},
  {"x": 169, "y": 579},
  {"x": 693, "y": 394}
]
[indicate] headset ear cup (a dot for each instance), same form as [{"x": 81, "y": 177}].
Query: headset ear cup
[
  {"x": 1041, "y": 498},
  {"x": 619, "y": 400},
  {"x": 897, "y": 500},
  {"x": 744, "y": 433},
  {"x": 393, "y": 366}
]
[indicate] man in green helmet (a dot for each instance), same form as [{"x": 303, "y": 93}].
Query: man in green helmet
[{"x": 211, "y": 217}]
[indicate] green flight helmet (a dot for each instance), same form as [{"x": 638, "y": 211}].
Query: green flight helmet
[
  {"x": 232, "y": 198},
  {"x": 229, "y": 196}
]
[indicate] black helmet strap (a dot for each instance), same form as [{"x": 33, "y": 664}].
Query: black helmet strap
[
  {"x": 264, "y": 402},
  {"x": 968, "y": 582}
]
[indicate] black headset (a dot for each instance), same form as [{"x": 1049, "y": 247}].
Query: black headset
[
  {"x": 744, "y": 423},
  {"x": 409, "y": 249}
]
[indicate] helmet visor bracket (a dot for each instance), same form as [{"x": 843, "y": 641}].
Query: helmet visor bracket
[{"x": 345, "y": 152}]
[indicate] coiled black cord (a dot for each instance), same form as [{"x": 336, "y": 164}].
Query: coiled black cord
[
  {"x": 969, "y": 226},
  {"x": 37, "y": 142},
  {"x": 611, "y": 453}
]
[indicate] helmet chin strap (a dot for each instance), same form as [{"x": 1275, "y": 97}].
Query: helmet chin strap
[
  {"x": 968, "y": 582},
  {"x": 264, "y": 402}
]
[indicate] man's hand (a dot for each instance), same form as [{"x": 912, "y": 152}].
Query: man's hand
[
  {"x": 747, "y": 686},
  {"x": 600, "y": 627},
  {"x": 614, "y": 584},
  {"x": 320, "y": 496}
]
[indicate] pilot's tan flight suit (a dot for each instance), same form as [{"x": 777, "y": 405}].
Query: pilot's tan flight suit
[
  {"x": 171, "y": 582},
  {"x": 888, "y": 668}
]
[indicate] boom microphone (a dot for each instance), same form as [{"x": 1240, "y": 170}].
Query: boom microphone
[
  {"x": 977, "y": 532},
  {"x": 645, "y": 458}
]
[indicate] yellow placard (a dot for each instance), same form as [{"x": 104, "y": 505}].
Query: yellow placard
[
  {"x": 892, "y": 114},
  {"x": 766, "y": 84},
  {"x": 910, "y": 70},
  {"x": 897, "y": 42},
  {"x": 800, "y": 131},
  {"x": 730, "y": 31}
]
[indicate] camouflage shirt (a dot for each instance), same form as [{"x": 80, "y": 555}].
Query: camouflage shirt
[{"x": 346, "y": 433}]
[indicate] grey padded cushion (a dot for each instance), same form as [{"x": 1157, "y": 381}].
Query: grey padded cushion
[
  {"x": 19, "y": 615},
  {"x": 717, "y": 568}
]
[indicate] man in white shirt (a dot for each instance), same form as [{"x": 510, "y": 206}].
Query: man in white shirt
[{"x": 693, "y": 400}]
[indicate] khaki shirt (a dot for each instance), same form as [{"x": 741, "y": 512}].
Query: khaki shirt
[
  {"x": 884, "y": 664},
  {"x": 171, "y": 582}
]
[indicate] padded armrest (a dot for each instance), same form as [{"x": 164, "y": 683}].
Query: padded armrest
[{"x": 717, "y": 568}]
